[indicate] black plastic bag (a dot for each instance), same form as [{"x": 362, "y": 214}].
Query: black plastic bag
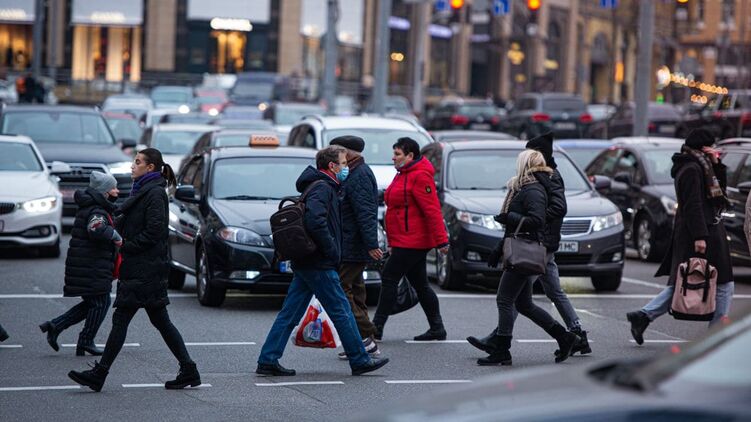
[{"x": 406, "y": 297}]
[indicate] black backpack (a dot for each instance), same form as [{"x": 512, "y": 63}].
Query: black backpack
[{"x": 291, "y": 240}]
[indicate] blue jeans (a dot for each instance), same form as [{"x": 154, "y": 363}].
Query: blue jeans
[
  {"x": 661, "y": 303},
  {"x": 325, "y": 285}
]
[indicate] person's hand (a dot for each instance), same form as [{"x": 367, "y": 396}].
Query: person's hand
[
  {"x": 700, "y": 246},
  {"x": 712, "y": 154},
  {"x": 376, "y": 254},
  {"x": 119, "y": 243},
  {"x": 444, "y": 250},
  {"x": 494, "y": 258}
]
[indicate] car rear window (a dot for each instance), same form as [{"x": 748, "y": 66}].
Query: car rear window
[
  {"x": 477, "y": 109},
  {"x": 564, "y": 104},
  {"x": 68, "y": 127}
]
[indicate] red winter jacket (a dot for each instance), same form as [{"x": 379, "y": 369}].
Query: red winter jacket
[{"x": 413, "y": 213}]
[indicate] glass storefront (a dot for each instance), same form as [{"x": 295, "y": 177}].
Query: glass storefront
[{"x": 16, "y": 26}]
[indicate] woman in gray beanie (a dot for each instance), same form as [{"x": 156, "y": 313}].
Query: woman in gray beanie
[{"x": 90, "y": 265}]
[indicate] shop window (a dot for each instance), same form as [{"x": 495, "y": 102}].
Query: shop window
[{"x": 229, "y": 56}]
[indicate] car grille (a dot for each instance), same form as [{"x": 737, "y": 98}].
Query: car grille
[
  {"x": 566, "y": 259},
  {"x": 79, "y": 173},
  {"x": 7, "y": 207},
  {"x": 575, "y": 227}
]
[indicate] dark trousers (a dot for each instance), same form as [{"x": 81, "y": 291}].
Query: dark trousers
[
  {"x": 159, "y": 318},
  {"x": 353, "y": 284},
  {"x": 93, "y": 309},
  {"x": 515, "y": 291},
  {"x": 410, "y": 263}
]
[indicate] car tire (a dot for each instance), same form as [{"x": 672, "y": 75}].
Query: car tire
[
  {"x": 445, "y": 275},
  {"x": 645, "y": 240},
  {"x": 52, "y": 251},
  {"x": 208, "y": 293},
  {"x": 175, "y": 279},
  {"x": 607, "y": 282}
]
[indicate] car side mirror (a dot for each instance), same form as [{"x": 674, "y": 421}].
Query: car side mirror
[
  {"x": 623, "y": 177},
  {"x": 744, "y": 187},
  {"x": 601, "y": 182},
  {"x": 187, "y": 193},
  {"x": 126, "y": 143},
  {"x": 58, "y": 167}
]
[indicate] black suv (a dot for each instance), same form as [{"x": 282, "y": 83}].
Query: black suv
[
  {"x": 464, "y": 114},
  {"x": 727, "y": 116},
  {"x": 77, "y": 136},
  {"x": 533, "y": 114},
  {"x": 736, "y": 155}
]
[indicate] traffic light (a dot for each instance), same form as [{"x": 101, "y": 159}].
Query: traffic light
[
  {"x": 457, "y": 4},
  {"x": 683, "y": 1},
  {"x": 533, "y": 6}
]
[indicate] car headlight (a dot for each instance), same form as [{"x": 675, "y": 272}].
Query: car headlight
[
  {"x": 607, "y": 221},
  {"x": 183, "y": 109},
  {"x": 40, "y": 205},
  {"x": 213, "y": 112},
  {"x": 671, "y": 205},
  {"x": 119, "y": 168},
  {"x": 487, "y": 221},
  {"x": 241, "y": 236}
]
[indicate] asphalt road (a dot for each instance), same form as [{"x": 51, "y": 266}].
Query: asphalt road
[{"x": 225, "y": 343}]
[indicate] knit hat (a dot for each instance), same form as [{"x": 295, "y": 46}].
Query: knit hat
[
  {"x": 102, "y": 182},
  {"x": 544, "y": 144},
  {"x": 699, "y": 138},
  {"x": 355, "y": 143}
]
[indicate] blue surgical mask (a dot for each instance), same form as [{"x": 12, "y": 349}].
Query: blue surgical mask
[{"x": 342, "y": 175}]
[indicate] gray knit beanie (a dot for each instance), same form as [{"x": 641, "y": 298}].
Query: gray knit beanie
[{"x": 102, "y": 182}]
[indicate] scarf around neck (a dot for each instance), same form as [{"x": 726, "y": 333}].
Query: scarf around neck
[
  {"x": 138, "y": 183},
  {"x": 714, "y": 190}
]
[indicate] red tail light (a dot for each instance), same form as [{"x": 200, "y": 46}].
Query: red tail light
[
  {"x": 585, "y": 118},
  {"x": 459, "y": 120},
  {"x": 540, "y": 117},
  {"x": 495, "y": 120},
  {"x": 652, "y": 127},
  {"x": 745, "y": 119}
]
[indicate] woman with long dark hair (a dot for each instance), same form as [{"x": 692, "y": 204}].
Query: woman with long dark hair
[{"x": 142, "y": 221}]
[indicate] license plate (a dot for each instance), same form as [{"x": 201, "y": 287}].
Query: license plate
[
  {"x": 666, "y": 129},
  {"x": 285, "y": 267},
  {"x": 564, "y": 125},
  {"x": 68, "y": 193},
  {"x": 569, "y": 247},
  {"x": 479, "y": 126}
]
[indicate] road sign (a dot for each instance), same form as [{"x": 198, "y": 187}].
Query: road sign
[
  {"x": 442, "y": 5},
  {"x": 608, "y": 4},
  {"x": 500, "y": 7}
]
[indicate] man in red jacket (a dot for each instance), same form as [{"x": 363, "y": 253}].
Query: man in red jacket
[{"x": 414, "y": 226}]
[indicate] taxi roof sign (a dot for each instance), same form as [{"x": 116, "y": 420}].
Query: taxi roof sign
[{"x": 263, "y": 141}]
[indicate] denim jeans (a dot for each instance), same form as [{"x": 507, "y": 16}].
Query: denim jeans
[
  {"x": 515, "y": 294},
  {"x": 661, "y": 303},
  {"x": 551, "y": 284},
  {"x": 325, "y": 285}
]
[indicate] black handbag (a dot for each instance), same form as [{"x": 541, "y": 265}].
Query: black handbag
[
  {"x": 406, "y": 297},
  {"x": 524, "y": 256}
]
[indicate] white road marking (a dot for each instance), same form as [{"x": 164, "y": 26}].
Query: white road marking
[
  {"x": 102, "y": 345},
  {"x": 427, "y": 381},
  {"x": 661, "y": 341},
  {"x": 288, "y": 384},
  {"x": 49, "y": 387},
  {"x": 222, "y": 343},
  {"x": 546, "y": 340},
  {"x": 643, "y": 283},
  {"x": 10, "y": 346},
  {"x": 160, "y": 386},
  {"x": 435, "y": 341}
]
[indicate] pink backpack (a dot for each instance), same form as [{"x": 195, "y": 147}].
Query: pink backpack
[{"x": 695, "y": 291}]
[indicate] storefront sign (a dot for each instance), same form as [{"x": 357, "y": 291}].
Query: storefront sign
[
  {"x": 395, "y": 22},
  {"x": 256, "y": 11},
  {"x": 17, "y": 11},
  {"x": 107, "y": 12},
  {"x": 222, "y": 24},
  {"x": 439, "y": 31}
]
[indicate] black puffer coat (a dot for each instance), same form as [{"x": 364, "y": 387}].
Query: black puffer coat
[
  {"x": 530, "y": 203},
  {"x": 556, "y": 210},
  {"x": 695, "y": 220},
  {"x": 359, "y": 213},
  {"x": 142, "y": 221},
  {"x": 91, "y": 252}
]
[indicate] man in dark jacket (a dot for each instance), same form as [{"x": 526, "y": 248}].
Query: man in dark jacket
[
  {"x": 90, "y": 263},
  {"x": 359, "y": 235},
  {"x": 317, "y": 274},
  {"x": 700, "y": 183}
]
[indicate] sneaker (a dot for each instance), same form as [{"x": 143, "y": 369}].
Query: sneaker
[{"x": 370, "y": 346}]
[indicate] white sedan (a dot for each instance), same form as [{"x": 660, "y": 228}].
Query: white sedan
[{"x": 30, "y": 201}]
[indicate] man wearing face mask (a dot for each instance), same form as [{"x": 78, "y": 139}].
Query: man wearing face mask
[
  {"x": 90, "y": 265},
  {"x": 317, "y": 274}
]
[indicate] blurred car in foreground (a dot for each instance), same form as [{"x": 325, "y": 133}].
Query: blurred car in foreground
[
  {"x": 31, "y": 206},
  {"x": 583, "y": 151},
  {"x": 471, "y": 181},
  {"x": 736, "y": 155},
  {"x": 464, "y": 114},
  {"x": 564, "y": 114},
  {"x": 175, "y": 141},
  {"x": 469, "y": 135},
  {"x": 663, "y": 120},
  {"x": 709, "y": 380},
  {"x": 285, "y": 115}
]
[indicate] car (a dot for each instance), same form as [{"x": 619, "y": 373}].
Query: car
[
  {"x": 255, "y": 124},
  {"x": 193, "y": 118},
  {"x": 582, "y": 151},
  {"x": 395, "y": 105},
  {"x": 152, "y": 117},
  {"x": 345, "y": 106},
  {"x": 285, "y": 115},
  {"x": 464, "y": 114},
  {"x": 219, "y": 220},
  {"x": 259, "y": 89},
  {"x": 242, "y": 112},
  {"x": 664, "y": 120},
  {"x": 30, "y": 201},
  {"x": 735, "y": 155},
  {"x": 174, "y": 141},
  {"x": 643, "y": 190},
  {"x": 211, "y": 101},
  {"x": 136, "y": 104},
  {"x": 123, "y": 126},
  {"x": 227, "y": 138},
  {"x": 533, "y": 114},
  {"x": 726, "y": 116},
  {"x": 179, "y": 97},
  {"x": 600, "y": 112},
  {"x": 707, "y": 380},
  {"x": 471, "y": 178},
  {"x": 469, "y": 135},
  {"x": 77, "y": 136}
]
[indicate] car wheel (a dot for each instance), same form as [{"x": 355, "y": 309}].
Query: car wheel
[
  {"x": 644, "y": 240},
  {"x": 447, "y": 278},
  {"x": 208, "y": 294},
  {"x": 607, "y": 282},
  {"x": 175, "y": 279},
  {"x": 52, "y": 251}
]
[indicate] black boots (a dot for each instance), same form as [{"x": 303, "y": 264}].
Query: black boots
[
  {"x": 93, "y": 378},
  {"x": 566, "y": 341},
  {"x": 488, "y": 344},
  {"x": 582, "y": 345},
  {"x": 3, "y": 334},
  {"x": 499, "y": 353},
  {"x": 274, "y": 370},
  {"x": 372, "y": 365},
  {"x": 639, "y": 323},
  {"x": 188, "y": 376},
  {"x": 52, "y": 334},
  {"x": 436, "y": 331},
  {"x": 89, "y": 347}
]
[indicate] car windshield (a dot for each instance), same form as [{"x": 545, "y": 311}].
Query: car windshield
[
  {"x": 257, "y": 178},
  {"x": 658, "y": 163},
  {"x": 583, "y": 156},
  {"x": 477, "y": 110},
  {"x": 378, "y": 142},
  {"x": 45, "y": 126},
  {"x": 15, "y": 156},
  {"x": 564, "y": 104},
  {"x": 125, "y": 128},
  {"x": 236, "y": 139},
  {"x": 175, "y": 141},
  {"x": 164, "y": 96},
  {"x": 491, "y": 169},
  {"x": 290, "y": 115},
  {"x": 260, "y": 90}
]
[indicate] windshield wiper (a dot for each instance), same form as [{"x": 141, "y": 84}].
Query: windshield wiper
[{"x": 246, "y": 198}]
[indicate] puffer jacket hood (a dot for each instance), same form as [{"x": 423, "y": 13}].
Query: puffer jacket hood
[{"x": 87, "y": 198}]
